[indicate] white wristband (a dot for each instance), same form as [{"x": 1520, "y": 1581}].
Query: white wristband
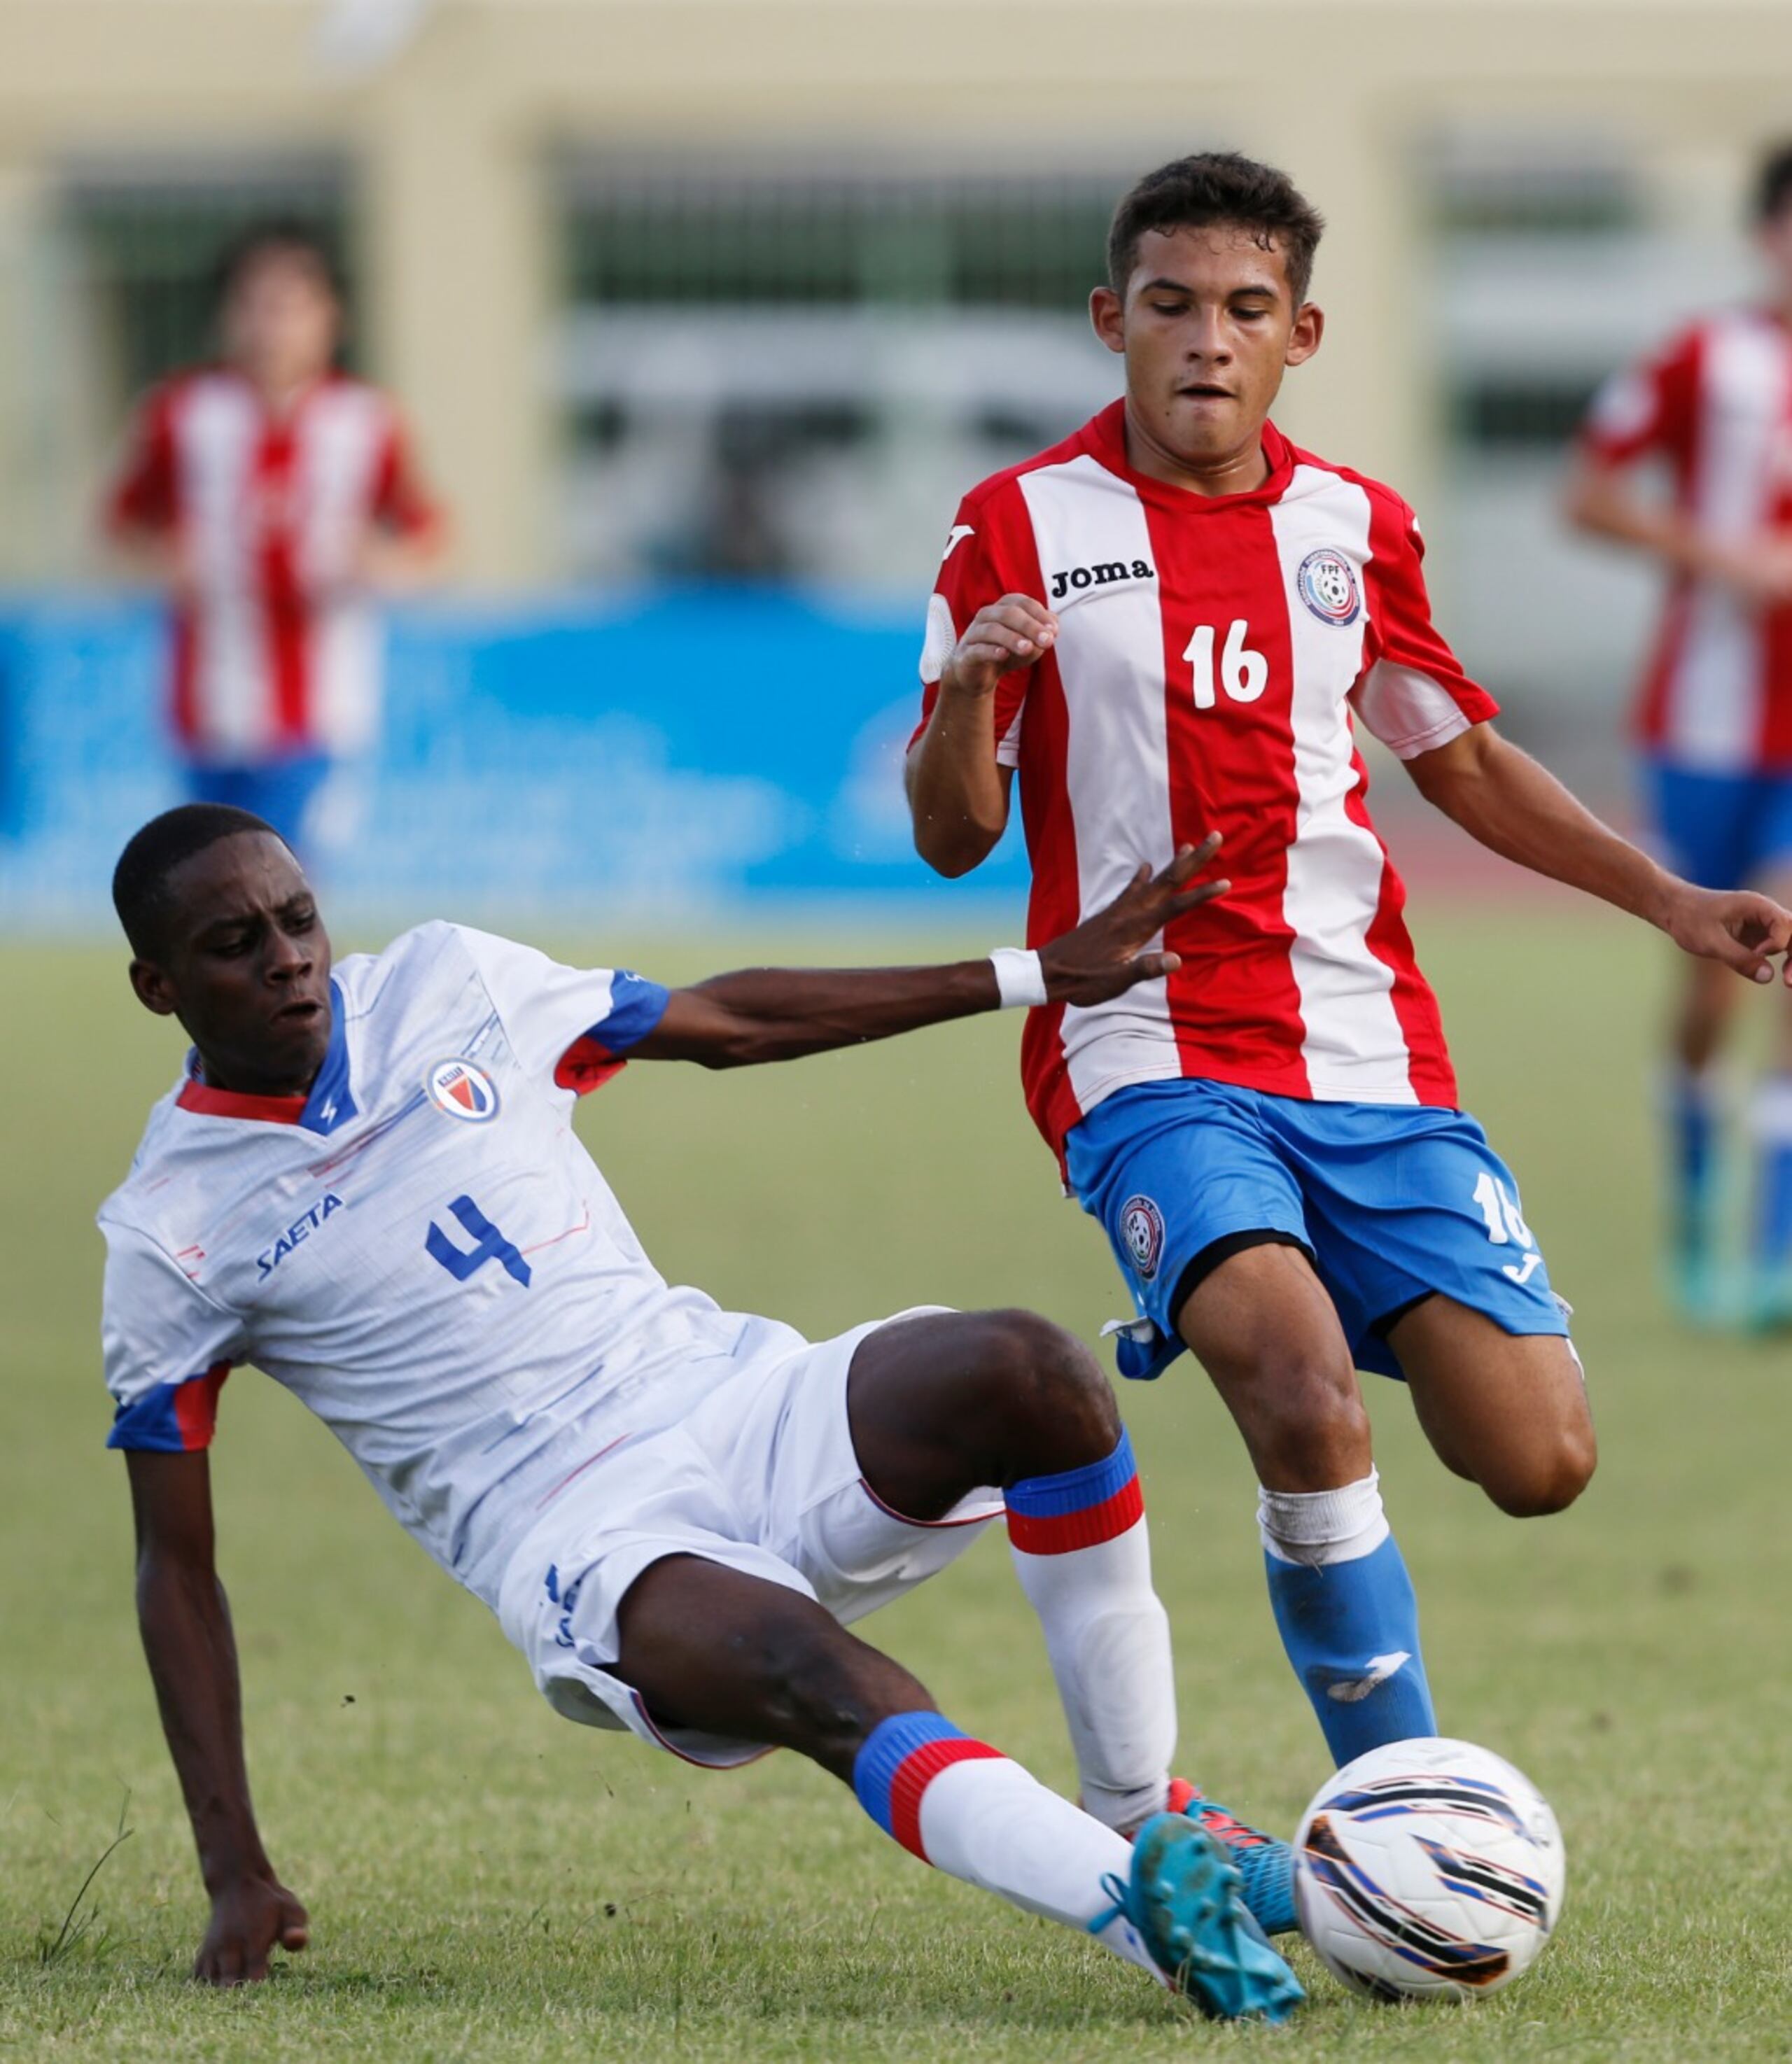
[{"x": 1019, "y": 978}]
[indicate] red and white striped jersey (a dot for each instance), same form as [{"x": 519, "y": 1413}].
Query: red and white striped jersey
[
  {"x": 1717, "y": 405},
  {"x": 1210, "y": 656},
  {"x": 275, "y": 648}
]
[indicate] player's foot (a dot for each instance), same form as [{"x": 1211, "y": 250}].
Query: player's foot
[
  {"x": 1183, "y": 1897},
  {"x": 1769, "y": 1299},
  {"x": 1265, "y": 1867}
]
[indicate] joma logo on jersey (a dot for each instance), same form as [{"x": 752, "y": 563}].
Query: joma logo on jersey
[
  {"x": 301, "y": 1229},
  {"x": 1104, "y": 572}
]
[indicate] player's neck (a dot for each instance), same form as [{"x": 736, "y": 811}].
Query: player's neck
[
  {"x": 279, "y": 394},
  {"x": 238, "y": 1079},
  {"x": 1236, "y": 472}
]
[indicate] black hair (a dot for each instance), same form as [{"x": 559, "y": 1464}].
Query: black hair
[
  {"x": 140, "y": 879},
  {"x": 1218, "y": 186},
  {"x": 278, "y": 236},
  {"x": 1773, "y": 184}
]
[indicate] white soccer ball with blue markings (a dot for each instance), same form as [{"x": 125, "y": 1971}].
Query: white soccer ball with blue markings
[{"x": 1429, "y": 1869}]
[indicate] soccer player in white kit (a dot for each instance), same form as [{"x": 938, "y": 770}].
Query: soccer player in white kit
[{"x": 366, "y": 1182}]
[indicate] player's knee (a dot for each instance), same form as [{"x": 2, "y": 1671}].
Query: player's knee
[
  {"x": 1036, "y": 1374},
  {"x": 1549, "y": 1478},
  {"x": 1309, "y": 1427}
]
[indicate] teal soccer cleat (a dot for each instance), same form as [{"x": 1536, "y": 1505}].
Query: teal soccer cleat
[
  {"x": 1183, "y": 1897},
  {"x": 1265, "y": 1867}
]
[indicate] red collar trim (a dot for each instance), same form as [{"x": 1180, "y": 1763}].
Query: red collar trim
[{"x": 196, "y": 1095}]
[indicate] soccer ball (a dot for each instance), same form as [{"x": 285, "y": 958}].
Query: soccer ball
[{"x": 1428, "y": 1869}]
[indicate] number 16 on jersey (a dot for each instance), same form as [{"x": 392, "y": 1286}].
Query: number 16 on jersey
[{"x": 1242, "y": 673}]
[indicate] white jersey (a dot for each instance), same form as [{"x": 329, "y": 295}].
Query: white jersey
[{"x": 421, "y": 1249}]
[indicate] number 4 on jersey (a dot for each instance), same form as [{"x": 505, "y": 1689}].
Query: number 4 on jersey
[
  {"x": 1243, "y": 674},
  {"x": 492, "y": 1246}
]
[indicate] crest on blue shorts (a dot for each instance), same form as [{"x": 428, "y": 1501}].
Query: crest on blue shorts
[
  {"x": 1142, "y": 1229},
  {"x": 1328, "y": 585}
]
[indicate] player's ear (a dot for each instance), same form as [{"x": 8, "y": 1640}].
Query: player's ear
[
  {"x": 1109, "y": 317},
  {"x": 1303, "y": 339},
  {"x": 154, "y": 991}
]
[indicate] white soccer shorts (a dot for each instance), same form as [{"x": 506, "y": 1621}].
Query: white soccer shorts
[{"x": 761, "y": 1477}]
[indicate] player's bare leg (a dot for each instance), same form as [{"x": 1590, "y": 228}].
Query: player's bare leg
[
  {"x": 1770, "y": 1299},
  {"x": 1507, "y": 1412},
  {"x": 1266, "y": 1332},
  {"x": 1703, "y": 1015},
  {"x": 943, "y": 1403},
  {"x": 962, "y": 1402}
]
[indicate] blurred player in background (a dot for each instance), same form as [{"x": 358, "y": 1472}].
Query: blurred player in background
[
  {"x": 1715, "y": 720},
  {"x": 1172, "y": 618},
  {"x": 274, "y": 500}
]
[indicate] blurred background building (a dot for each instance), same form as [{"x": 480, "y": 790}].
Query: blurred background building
[{"x": 707, "y": 311}]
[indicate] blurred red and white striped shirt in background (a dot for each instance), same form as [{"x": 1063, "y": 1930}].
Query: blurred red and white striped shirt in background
[
  {"x": 1716, "y": 405},
  {"x": 274, "y": 637},
  {"x": 273, "y": 501}
]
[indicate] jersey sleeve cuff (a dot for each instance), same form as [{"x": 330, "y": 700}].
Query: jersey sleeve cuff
[
  {"x": 172, "y": 1418},
  {"x": 636, "y": 1006}
]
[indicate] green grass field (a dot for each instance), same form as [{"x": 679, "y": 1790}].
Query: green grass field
[{"x": 486, "y": 1881}]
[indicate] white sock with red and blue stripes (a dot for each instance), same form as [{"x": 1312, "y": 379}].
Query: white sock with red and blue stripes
[
  {"x": 1082, "y": 1553},
  {"x": 968, "y": 1810}
]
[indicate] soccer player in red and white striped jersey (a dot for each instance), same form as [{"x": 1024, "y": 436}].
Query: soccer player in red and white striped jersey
[
  {"x": 274, "y": 499},
  {"x": 1714, "y": 718},
  {"x": 1168, "y": 625}
]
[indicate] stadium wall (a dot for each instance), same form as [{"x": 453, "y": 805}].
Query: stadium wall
[{"x": 451, "y": 114}]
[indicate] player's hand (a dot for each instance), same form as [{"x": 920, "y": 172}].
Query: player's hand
[
  {"x": 1012, "y": 633},
  {"x": 1758, "y": 570},
  {"x": 1102, "y": 958},
  {"x": 250, "y": 1916},
  {"x": 1738, "y": 927}
]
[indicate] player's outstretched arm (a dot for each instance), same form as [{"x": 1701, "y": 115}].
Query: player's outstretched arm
[
  {"x": 1600, "y": 500},
  {"x": 760, "y": 1014},
  {"x": 185, "y": 1623},
  {"x": 958, "y": 790},
  {"x": 1518, "y": 809}
]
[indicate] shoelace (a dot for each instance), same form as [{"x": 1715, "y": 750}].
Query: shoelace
[{"x": 1115, "y": 1886}]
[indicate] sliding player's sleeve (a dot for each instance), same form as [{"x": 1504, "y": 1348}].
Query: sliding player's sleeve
[
  {"x": 1413, "y": 694},
  {"x": 167, "y": 1347},
  {"x": 971, "y": 575},
  {"x": 1652, "y": 407},
  {"x": 572, "y": 1026}
]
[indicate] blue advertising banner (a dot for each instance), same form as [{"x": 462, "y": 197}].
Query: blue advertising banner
[{"x": 679, "y": 753}]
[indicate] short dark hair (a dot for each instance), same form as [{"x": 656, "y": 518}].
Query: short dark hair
[
  {"x": 140, "y": 879},
  {"x": 1773, "y": 184},
  {"x": 1218, "y": 186},
  {"x": 277, "y": 237}
]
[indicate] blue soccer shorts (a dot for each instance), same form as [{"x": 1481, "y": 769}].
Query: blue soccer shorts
[
  {"x": 1721, "y": 831},
  {"x": 283, "y": 792},
  {"x": 1390, "y": 1203}
]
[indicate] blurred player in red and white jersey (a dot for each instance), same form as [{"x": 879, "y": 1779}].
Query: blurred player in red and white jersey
[
  {"x": 1167, "y": 625},
  {"x": 275, "y": 500},
  {"x": 1714, "y": 720}
]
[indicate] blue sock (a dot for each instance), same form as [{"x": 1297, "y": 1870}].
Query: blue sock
[
  {"x": 1692, "y": 1128},
  {"x": 1351, "y": 1631},
  {"x": 1773, "y": 1130}
]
